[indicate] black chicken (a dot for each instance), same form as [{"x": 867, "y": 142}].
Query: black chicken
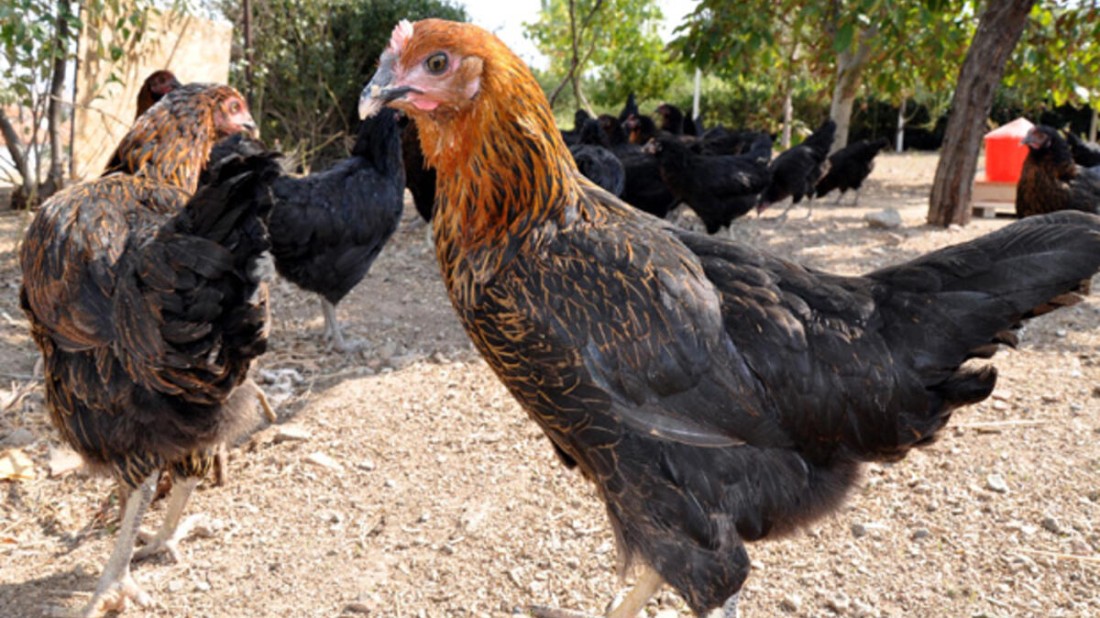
[
  {"x": 327, "y": 228},
  {"x": 644, "y": 188},
  {"x": 719, "y": 188},
  {"x": 713, "y": 393},
  {"x": 148, "y": 306},
  {"x": 630, "y": 108},
  {"x": 1085, "y": 154},
  {"x": 1051, "y": 181},
  {"x": 419, "y": 178},
  {"x": 153, "y": 89},
  {"x": 796, "y": 171},
  {"x": 720, "y": 140},
  {"x": 674, "y": 121},
  {"x": 596, "y": 161},
  {"x": 849, "y": 167}
]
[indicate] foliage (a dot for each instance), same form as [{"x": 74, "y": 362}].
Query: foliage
[
  {"x": 620, "y": 50},
  {"x": 1058, "y": 59},
  {"x": 37, "y": 40},
  {"x": 311, "y": 59}
]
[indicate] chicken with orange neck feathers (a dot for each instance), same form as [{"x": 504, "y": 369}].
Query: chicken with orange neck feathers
[
  {"x": 147, "y": 302},
  {"x": 713, "y": 393}
]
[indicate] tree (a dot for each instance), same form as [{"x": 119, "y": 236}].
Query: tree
[
  {"x": 613, "y": 41},
  {"x": 38, "y": 40},
  {"x": 999, "y": 29},
  {"x": 842, "y": 43},
  {"x": 311, "y": 62}
]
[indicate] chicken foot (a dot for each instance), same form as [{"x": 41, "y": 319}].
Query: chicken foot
[
  {"x": 116, "y": 586},
  {"x": 167, "y": 538},
  {"x": 632, "y": 604},
  {"x": 332, "y": 332}
]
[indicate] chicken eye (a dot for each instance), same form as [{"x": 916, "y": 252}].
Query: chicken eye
[{"x": 436, "y": 63}]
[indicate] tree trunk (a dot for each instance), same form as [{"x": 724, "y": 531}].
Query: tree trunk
[
  {"x": 999, "y": 29},
  {"x": 849, "y": 66},
  {"x": 23, "y": 194},
  {"x": 55, "y": 178}
]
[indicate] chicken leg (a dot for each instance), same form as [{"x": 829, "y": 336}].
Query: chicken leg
[
  {"x": 171, "y": 531},
  {"x": 116, "y": 586},
  {"x": 632, "y": 604}
]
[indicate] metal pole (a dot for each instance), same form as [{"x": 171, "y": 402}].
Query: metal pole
[
  {"x": 695, "y": 101},
  {"x": 246, "y": 7}
]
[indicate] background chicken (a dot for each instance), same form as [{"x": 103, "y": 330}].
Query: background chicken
[
  {"x": 849, "y": 167},
  {"x": 419, "y": 178},
  {"x": 596, "y": 161},
  {"x": 796, "y": 171},
  {"x": 1085, "y": 154},
  {"x": 327, "y": 228},
  {"x": 643, "y": 187},
  {"x": 158, "y": 84},
  {"x": 148, "y": 308},
  {"x": 713, "y": 393},
  {"x": 1051, "y": 181},
  {"x": 719, "y": 188}
]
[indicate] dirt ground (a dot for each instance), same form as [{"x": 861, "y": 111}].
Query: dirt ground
[{"x": 403, "y": 480}]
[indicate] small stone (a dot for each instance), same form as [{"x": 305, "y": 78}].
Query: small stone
[
  {"x": 888, "y": 219},
  {"x": 791, "y": 603},
  {"x": 63, "y": 461},
  {"x": 366, "y": 464},
  {"x": 920, "y": 533},
  {"x": 859, "y": 530},
  {"x": 357, "y": 608},
  {"x": 202, "y": 586},
  {"x": 18, "y": 437},
  {"x": 839, "y": 604},
  {"x": 1060, "y": 333},
  {"x": 1000, "y": 406},
  {"x": 323, "y": 460},
  {"x": 175, "y": 585},
  {"x": 291, "y": 433},
  {"x": 1051, "y": 524},
  {"x": 996, "y": 482}
]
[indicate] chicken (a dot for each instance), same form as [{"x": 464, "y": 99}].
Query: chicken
[
  {"x": 643, "y": 188},
  {"x": 419, "y": 178},
  {"x": 158, "y": 84},
  {"x": 719, "y": 188},
  {"x": 849, "y": 167},
  {"x": 674, "y": 121},
  {"x": 630, "y": 108},
  {"x": 796, "y": 171},
  {"x": 713, "y": 393},
  {"x": 596, "y": 161},
  {"x": 573, "y": 136},
  {"x": 1085, "y": 154},
  {"x": 1051, "y": 181},
  {"x": 721, "y": 140},
  {"x": 148, "y": 304},
  {"x": 640, "y": 129},
  {"x": 327, "y": 228}
]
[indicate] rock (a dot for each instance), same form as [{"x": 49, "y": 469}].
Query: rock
[
  {"x": 888, "y": 219},
  {"x": 320, "y": 459},
  {"x": 291, "y": 433},
  {"x": 357, "y": 608},
  {"x": 859, "y": 530},
  {"x": 366, "y": 464},
  {"x": 839, "y": 604},
  {"x": 1051, "y": 524},
  {"x": 18, "y": 437},
  {"x": 920, "y": 533},
  {"x": 791, "y": 603},
  {"x": 996, "y": 482},
  {"x": 202, "y": 586}
]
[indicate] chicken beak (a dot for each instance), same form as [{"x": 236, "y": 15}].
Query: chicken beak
[{"x": 379, "y": 91}]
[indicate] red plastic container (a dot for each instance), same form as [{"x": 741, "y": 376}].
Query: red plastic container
[{"x": 1004, "y": 154}]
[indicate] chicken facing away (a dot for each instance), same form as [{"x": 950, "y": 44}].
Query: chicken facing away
[
  {"x": 1051, "y": 181},
  {"x": 713, "y": 393},
  {"x": 147, "y": 304},
  {"x": 596, "y": 161},
  {"x": 1085, "y": 154},
  {"x": 158, "y": 84},
  {"x": 797, "y": 170},
  {"x": 849, "y": 167}
]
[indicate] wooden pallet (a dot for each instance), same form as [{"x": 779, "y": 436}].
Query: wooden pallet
[{"x": 993, "y": 199}]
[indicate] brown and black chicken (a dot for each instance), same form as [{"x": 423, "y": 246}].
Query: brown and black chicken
[
  {"x": 158, "y": 84},
  {"x": 713, "y": 393},
  {"x": 1050, "y": 180},
  {"x": 147, "y": 303}
]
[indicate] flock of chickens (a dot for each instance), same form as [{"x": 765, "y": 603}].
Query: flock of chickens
[{"x": 713, "y": 393}]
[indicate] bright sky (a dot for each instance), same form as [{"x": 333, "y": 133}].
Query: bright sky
[{"x": 506, "y": 19}]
